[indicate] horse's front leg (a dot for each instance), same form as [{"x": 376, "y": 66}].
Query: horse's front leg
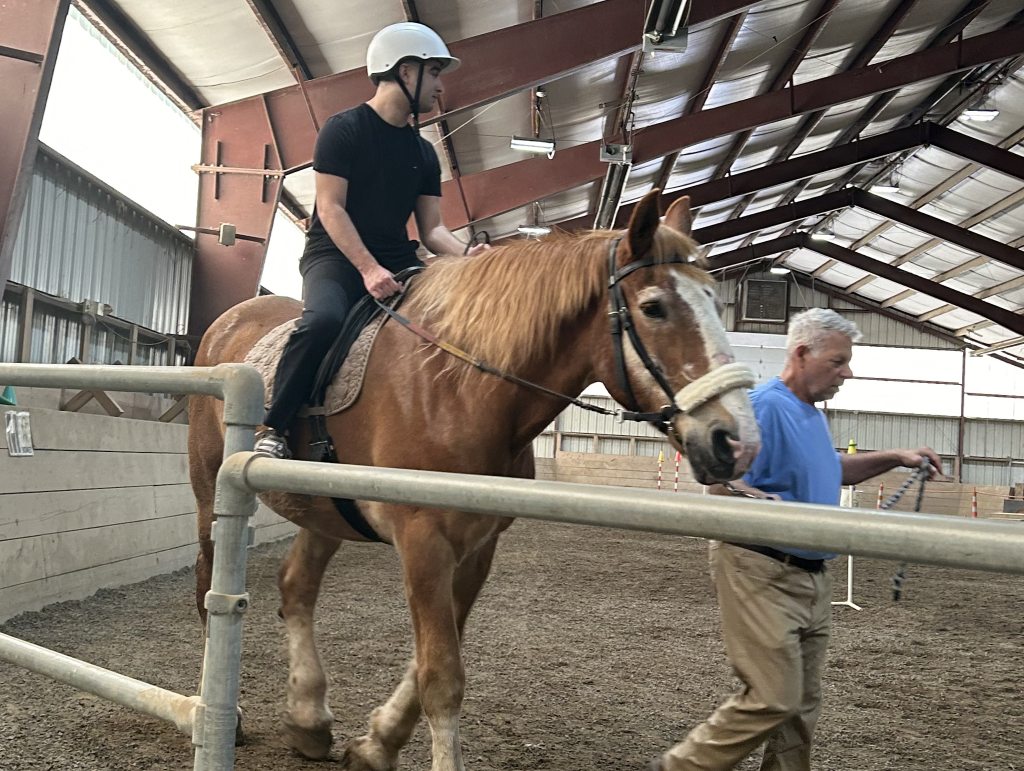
[
  {"x": 428, "y": 566},
  {"x": 392, "y": 724},
  {"x": 307, "y": 723}
]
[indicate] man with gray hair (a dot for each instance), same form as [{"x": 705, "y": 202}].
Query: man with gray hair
[{"x": 776, "y": 603}]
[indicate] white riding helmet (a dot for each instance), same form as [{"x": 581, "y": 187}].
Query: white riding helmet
[{"x": 406, "y": 40}]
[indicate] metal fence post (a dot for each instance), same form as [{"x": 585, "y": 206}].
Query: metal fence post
[{"x": 227, "y": 600}]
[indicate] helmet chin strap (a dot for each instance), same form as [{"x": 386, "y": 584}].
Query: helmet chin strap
[{"x": 414, "y": 101}]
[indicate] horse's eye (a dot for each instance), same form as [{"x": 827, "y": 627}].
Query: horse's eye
[{"x": 652, "y": 309}]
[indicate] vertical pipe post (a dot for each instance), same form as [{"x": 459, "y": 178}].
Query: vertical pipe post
[
  {"x": 974, "y": 504},
  {"x": 25, "y": 314},
  {"x": 675, "y": 487},
  {"x": 962, "y": 425},
  {"x": 226, "y": 602},
  {"x": 661, "y": 461}
]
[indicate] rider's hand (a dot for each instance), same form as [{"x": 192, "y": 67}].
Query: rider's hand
[
  {"x": 478, "y": 249},
  {"x": 380, "y": 282}
]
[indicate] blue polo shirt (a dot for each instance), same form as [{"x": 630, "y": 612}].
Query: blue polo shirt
[{"x": 797, "y": 461}]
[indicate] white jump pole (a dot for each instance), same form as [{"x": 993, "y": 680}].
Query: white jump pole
[{"x": 848, "y": 498}]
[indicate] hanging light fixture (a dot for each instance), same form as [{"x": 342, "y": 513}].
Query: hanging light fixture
[
  {"x": 538, "y": 146},
  {"x": 533, "y": 227},
  {"x": 825, "y": 234},
  {"x": 889, "y": 184}
]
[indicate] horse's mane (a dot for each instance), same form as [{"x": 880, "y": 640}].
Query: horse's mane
[{"x": 506, "y": 305}]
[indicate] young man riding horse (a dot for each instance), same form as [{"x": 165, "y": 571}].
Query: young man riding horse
[{"x": 373, "y": 171}]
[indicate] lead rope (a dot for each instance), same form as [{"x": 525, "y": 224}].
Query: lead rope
[
  {"x": 922, "y": 474},
  {"x": 918, "y": 474}
]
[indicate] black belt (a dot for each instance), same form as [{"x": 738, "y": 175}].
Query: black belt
[{"x": 811, "y": 566}]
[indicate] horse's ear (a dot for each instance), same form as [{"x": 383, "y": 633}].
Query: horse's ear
[
  {"x": 643, "y": 224},
  {"x": 678, "y": 217}
]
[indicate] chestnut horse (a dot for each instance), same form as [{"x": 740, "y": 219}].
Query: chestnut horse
[{"x": 540, "y": 310}]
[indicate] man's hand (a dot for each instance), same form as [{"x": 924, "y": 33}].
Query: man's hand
[
  {"x": 478, "y": 249},
  {"x": 380, "y": 282},
  {"x": 914, "y": 458}
]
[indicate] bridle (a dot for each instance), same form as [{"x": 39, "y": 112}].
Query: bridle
[
  {"x": 712, "y": 384},
  {"x": 709, "y": 386}
]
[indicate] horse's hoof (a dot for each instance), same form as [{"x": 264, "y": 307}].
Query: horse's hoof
[
  {"x": 312, "y": 743},
  {"x": 239, "y": 733},
  {"x": 354, "y": 758},
  {"x": 654, "y": 765}
]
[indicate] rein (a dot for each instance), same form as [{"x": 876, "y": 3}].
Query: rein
[{"x": 696, "y": 393}]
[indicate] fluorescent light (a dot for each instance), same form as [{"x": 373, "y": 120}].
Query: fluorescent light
[
  {"x": 778, "y": 270},
  {"x": 885, "y": 188},
  {"x": 539, "y": 146},
  {"x": 534, "y": 230},
  {"x": 979, "y": 116},
  {"x": 823, "y": 236}
]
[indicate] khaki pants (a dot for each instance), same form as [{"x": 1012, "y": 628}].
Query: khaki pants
[{"x": 775, "y": 624}]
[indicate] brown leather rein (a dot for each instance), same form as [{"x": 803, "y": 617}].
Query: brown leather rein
[{"x": 621, "y": 322}]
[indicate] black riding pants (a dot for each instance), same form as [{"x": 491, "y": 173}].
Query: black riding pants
[{"x": 330, "y": 287}]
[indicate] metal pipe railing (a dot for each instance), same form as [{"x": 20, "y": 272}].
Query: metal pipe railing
[
  {"x": 127, "y": 691},
  {"x": 212, "y": 717},
  {"x": 904, "y": 537}
]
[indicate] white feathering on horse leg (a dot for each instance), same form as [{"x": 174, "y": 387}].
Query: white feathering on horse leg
[{"x": 447, "y": 746}]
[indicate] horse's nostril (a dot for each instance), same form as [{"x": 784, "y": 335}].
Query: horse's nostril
[{"x": 722, "y": 445}]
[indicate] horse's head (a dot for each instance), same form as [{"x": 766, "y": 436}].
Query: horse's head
[{"x": 676, "y": 319}]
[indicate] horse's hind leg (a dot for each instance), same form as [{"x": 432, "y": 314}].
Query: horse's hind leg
[
  {"x": 307, "y": 722},
  {"x": 392, "y": 724},
  {"x": 205, "y": 449}
]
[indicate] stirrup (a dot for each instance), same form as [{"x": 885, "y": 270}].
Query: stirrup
[{"x": 271, "y": 443}]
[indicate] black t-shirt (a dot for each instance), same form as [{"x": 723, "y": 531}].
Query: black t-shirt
[{"x": 388, "y": 168}]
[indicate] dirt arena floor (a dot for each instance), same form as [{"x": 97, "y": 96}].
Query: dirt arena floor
[{"x": 589, "y": 649}]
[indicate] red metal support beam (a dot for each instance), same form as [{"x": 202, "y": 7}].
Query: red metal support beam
[
  {"x": 223, "y": 276},
  {"x": 696, "y": 102},
  {"x": 495, "y": 191},
  {"x": 516, "y": 58},
  {"x": 1001, "y": 316},
  {"x": 30, "y": 31},
  {"x": 500, "y": 63}
]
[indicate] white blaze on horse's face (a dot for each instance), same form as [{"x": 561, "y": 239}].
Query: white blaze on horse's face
[{"x": 746, "y": 441}]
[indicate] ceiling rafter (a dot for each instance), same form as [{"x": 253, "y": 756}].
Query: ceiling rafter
[
  {"x": 270, "y": 20},
  {"x": 783, "y": 78},
  {"x": 812, "y": 164},
  {"x": 861, "y": 199},
  {"x": 696, "y": 102},
  {"x": 987, "y": 75},
  {"x": 867, "y": 52},
  {"x": 942, "y": 39},
  {"x": 992, "y": 291}
]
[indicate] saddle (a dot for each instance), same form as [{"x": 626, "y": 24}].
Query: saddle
[{"x": 338, "y": 383}]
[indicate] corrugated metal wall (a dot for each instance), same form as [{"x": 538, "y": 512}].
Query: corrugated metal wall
[
  {"x": 994, "y": 449},
  {"x": 877, "y": 329},
  {"x": 79, "y": 239},
  {"x": 880, "y": 431}
]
